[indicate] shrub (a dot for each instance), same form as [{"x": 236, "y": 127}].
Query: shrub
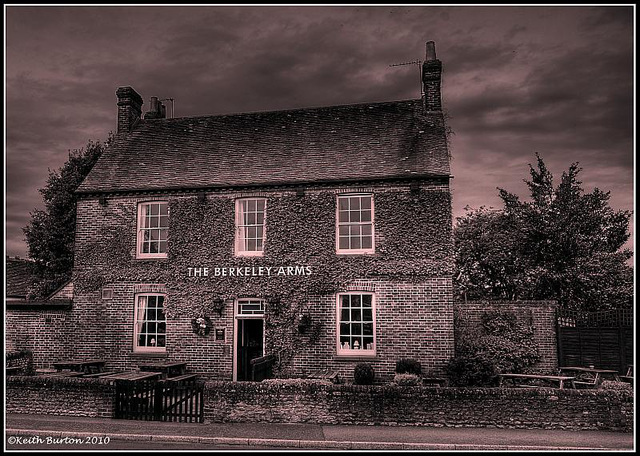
[
  {"x": 408, "y": 366},
  {"x": 406, "y": 379},
  {"x": 363, "y": 374},
  {"x": 472, "y": 370},
  {"x": 613, "y": 385},
  {"x": 501, "y": 337}
]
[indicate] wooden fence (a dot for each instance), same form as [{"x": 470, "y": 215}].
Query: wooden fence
[
  {"x": 600, "y": 339},
  {"x": 151, "y": 400}
]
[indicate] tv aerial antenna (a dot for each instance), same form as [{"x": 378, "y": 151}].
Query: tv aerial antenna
[{"x": 414, "y": 62}]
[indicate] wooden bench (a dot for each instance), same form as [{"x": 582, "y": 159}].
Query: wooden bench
[
  {"x": 431, "y": 381},
  {"x": 62, "y": 374},
  {"x": 262, "y": 368},
  {"x": 168, "y": 369},
  {"x": 134, "y": 376},
  {"x": 102, "y": 374},
  {"x": 88, "y": 366},
  {"x": 325, "y": 374},
  {"x": 12, "y": 370},
  {"x": 186, "y": 378}
]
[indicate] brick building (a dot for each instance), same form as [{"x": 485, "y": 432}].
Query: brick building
[{"x": 322, "y": 236}]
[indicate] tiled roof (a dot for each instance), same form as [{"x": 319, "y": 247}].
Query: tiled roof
[
  {"x": 337, "y": 143},
  {"x": 18, "y": 277}
]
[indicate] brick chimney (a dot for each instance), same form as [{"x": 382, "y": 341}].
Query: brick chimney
[
  {"x": 129, "y": 109},
  {"x": 431, "y": 78}
]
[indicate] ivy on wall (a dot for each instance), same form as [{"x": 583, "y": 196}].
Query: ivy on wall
[{"x": 413, "y": 242}]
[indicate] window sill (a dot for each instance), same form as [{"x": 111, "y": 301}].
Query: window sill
[
  {"x": 149, "y": 355},
  {"x": 358, "y": 252},
  {"x": 159, "y": 258},
  {"x": 355, "y": 357}
]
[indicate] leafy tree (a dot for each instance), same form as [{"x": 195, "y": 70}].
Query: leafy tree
[
  {"x": 563, "y": 244},
  {"x": 50, "y": 233}
]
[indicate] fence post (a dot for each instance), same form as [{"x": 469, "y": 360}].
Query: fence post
[{"x": 157, "y": 401}]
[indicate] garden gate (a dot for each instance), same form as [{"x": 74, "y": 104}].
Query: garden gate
[
  {"x": 162, "y": 400},
  {"x": 601, "y": 339}
]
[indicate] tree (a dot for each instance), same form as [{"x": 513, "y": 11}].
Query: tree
[
  {"x": 564, "y": 244},
  {"x": 50, "y": 233}
]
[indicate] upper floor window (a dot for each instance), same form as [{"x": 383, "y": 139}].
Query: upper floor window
[
  {"x": 355, "y": 224},
  {"x": 150, "y": 325},
  {"x": 153, "y": 227},
  {"x": 250, "y": 226}
]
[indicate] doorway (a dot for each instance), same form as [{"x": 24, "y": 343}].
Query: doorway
[{"x": 249, "y": 345}]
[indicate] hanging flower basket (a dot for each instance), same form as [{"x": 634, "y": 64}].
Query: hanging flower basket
[{"x": 201, "y": 326}]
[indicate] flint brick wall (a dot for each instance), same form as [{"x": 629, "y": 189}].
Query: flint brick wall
[
  {"x": 540, "y": 314},
  {"x": 294, "y": 401},
  {"x": 422, "y": 406},
  {"x": 67, "y": 396}
]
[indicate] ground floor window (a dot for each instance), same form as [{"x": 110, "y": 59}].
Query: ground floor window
[
  {"x": 356, "y": 334},
  {"x": 150, "y": 323}
]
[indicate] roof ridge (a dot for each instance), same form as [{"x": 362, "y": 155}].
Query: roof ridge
[{"x": 292, "y": 110}]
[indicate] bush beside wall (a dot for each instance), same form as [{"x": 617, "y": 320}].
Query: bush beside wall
[
  {"x": 323, "y": 403},
  {"x": 61, "y": 396}
]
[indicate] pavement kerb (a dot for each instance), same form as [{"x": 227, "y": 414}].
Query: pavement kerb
[{"x": 291, "y": 443}]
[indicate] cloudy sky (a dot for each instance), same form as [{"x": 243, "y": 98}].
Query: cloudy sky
[{"x": 517, "y": 80}]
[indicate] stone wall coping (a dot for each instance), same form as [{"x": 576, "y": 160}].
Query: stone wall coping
[{"x": 531, "y": 303}]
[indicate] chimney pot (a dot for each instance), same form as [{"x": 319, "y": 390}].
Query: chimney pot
[
  {"x": 156, "y": 109},
  {"x": 431, "y": 51}
]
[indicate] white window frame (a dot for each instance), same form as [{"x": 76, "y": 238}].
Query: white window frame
[
  {"x": 368, "y": 251},
  {"x": 239, "y": 241},
  {"x": 140, "y": 231},
  {"x": 143, "y": 349},
  {"x": 362, "y": 352}
]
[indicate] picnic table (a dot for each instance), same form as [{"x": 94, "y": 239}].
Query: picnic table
[
  {"x": 167, "y": 369},
  {"x": 89, "y": 366},
  {"x": 519, "y": 379},
  {"x": 589, "y": 377}
]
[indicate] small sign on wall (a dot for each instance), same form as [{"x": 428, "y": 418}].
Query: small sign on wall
[{"x": 220, "y": 334}]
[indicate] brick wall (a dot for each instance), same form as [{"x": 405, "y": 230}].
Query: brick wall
[
  {"x": 413, "y": 321},
  {"x": 540, "y": 314},
  {"x": 414, "y": 317},
  {"x": 67, "y": 396},
  {"x": 48, "y": 334},
  {"x": 393, "y": 405}
]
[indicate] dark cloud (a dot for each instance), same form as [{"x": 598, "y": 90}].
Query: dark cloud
[{"x": 557, "y": 80}]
